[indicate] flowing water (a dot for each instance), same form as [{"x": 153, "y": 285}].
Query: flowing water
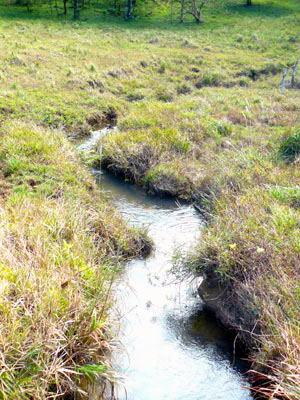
[{"x": 171, "y": 348}]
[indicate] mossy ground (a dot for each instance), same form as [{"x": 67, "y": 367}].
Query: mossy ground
[{"x": 199, "y": 115}]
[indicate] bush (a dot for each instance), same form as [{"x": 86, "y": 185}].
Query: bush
[
  {"x": 221, "y": 128},
  {"x": 184, "y": 89},
  {"x": 164, "y": 95},
  {"x": 290, "y": 147}
]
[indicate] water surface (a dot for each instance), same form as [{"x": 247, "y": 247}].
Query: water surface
[{"x": 171, "y": 348}]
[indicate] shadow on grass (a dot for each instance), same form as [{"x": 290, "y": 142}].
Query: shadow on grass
[
  {"x": 268, "y": 10},
  {"x": 93, "y": 18}
]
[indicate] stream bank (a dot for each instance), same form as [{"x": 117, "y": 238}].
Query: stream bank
[
  {"x": 173, "y": 348},
  {"x": 249, "y": 250},
  {"x": 60, "y": 244},
  {"x": 235, "y": 316}
]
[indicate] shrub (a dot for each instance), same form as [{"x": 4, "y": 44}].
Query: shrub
[
  {"x": 164, "y": 95},
  {"x": 290, "y": 147},
  {"x": 184, "y": 89},
  {"x": 221, "y": 128}
]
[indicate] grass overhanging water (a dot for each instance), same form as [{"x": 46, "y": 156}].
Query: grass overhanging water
[
  {"x": 61, "y": 247},
  {"x": 200, "y": 116}
]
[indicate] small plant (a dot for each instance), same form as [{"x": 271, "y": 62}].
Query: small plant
[
  {"x": 211, "y": 79},
  {"x": 244, "y": 82},
  {"x": 221, "y": 128},
  {"x": 184, "y": 89},
  {"x": 135, "y": 96},
  {"x": 290, "y": 147},
  {"x": 164, "y": 95},
  {"x": 162, "y": 68}
]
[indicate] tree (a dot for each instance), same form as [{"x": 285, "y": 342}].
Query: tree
[
  {"x": 182, "y": 4},
  {"x": 192, "y": 7},
  {"x": 76, "y": 9},
  {"x": 65, "y": 7},
  {"x": 117, "y": 7},
  {"x": 249, "y": 3},
  {"x": 129, "y": 8}
]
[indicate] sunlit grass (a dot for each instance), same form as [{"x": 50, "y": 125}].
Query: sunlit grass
[
  {"x": 200, "y": 116},
  {"x": 61, "y": 245}
]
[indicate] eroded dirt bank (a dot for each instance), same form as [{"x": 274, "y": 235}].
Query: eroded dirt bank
[{"x": 251, "y": 269}]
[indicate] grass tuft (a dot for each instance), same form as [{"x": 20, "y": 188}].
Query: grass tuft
[{"x": 290, "y": 147}]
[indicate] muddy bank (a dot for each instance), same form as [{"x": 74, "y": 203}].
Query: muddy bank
[
  {"x": 163, "y": 320},
  {"x": 233, "y": 308},
  {"x": 165, "y": 331},
  {"x": 161, "y": 183},
  {"x": 230, "y": 304},
  {"x": 245, "y": 277},
  {"x": 160, "y": 169}
]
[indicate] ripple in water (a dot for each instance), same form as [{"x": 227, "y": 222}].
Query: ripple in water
[{"x": 173, "y": 350}]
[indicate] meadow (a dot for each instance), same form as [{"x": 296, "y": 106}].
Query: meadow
[{"x": 201, "y": 117}]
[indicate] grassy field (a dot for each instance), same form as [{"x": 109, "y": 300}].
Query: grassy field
[{"x": 200, "y": 116}]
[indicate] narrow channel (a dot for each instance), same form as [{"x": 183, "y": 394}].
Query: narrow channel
[{"x": 171, "y": 348}]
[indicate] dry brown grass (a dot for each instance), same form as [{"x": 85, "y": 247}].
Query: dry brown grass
[{"x": 60, "y": 246}]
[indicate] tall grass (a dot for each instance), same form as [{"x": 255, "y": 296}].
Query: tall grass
[
  {"x": 251, "y": 248},
  {"x": 200, "y": 115},
  {"x": 290, "y": 147},
  {"x": 60, "y": 246}
]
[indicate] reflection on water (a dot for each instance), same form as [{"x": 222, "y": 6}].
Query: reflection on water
[
  {"x": 173, "y": 350},
  {"x": 199, "y": 329}
]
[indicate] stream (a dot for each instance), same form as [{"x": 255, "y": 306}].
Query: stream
[{"x": 171, "y": 349}]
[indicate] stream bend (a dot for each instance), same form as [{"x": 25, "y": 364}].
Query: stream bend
[{"x": 173, "y": 349}]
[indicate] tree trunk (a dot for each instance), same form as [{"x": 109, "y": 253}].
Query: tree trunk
[
  {"x": 294, "y": 74},
  {"x": 76, "y": 10},
  {"x": 65, "y": 7},
  {"x": 249, "y": 2},
  {"x": 198, "y": 18},
  {"x": 181, "y": 10},
  {"x": 128, "y": 9},
  {"x": 117, "y": 7},
  {"x": 195, "y": 10}
]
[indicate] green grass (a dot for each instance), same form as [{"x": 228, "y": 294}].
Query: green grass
[
  {"x": 199, "y": 115},
  {"x": 290, "y": 147},
  {"x": 61, "y": 245}
]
